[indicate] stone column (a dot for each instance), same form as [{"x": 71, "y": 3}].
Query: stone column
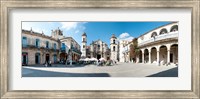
[
  {"x": 168, "y": 56},
  {"x": 149, "y": 57},
  {"x": 158, "y": 58},
  {"x": 142, "y": 57}
]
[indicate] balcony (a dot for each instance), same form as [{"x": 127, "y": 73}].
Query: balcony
[
  {"x": 75, "y": 50},
  {"x": 29, "y": 46},
  {"x": 160, "y": 37}
]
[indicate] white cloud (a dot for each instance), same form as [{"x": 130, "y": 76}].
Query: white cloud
[
  {"x": 129, "y": 38},
  {"x": 125, "y": 36},
  {"x": 73, "y": 27},
  {"x": 76, "y": 31},
  {"x": 69, "y": 25}
]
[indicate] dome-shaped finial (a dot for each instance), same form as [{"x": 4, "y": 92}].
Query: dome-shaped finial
[
  {"x": 113, "y": 36},
  {"x": 84, "y": 34}
]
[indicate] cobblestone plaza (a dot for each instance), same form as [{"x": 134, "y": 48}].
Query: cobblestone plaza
[{"x": 118, "y": 70}]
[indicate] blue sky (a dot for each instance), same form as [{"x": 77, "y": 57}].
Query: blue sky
[{"x": 95, "y": 30}]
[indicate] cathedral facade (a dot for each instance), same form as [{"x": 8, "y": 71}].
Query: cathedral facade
[{"x": 99, "y": 49}]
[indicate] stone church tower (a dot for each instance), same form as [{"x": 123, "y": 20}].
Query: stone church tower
[
  {"x": 57, "y": 34},
  {"x": 84, "y": 45},
  {"x": 113, "y": 48}
]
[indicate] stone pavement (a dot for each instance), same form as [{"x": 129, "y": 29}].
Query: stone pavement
[{"x": 119, "y": 70}]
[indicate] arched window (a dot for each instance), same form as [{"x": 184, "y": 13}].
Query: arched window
[
  {"x": 153, "y": 34},
  {"x": 84, "y": 40},
  {"x": 113, "y": 41},
  {"x": 163, "y": 31},
  {"x": 113, "y": 48},
  {"x": 174, "y": 28}
]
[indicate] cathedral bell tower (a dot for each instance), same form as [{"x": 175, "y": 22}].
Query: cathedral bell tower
[
  {"x": 84, "y": 45},
  {"x": 114, "y": 48}
]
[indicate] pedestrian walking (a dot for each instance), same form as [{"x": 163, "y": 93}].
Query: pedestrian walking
[
  {"x": 49, "y": 63},
  {"x": 46, "y": 64}
]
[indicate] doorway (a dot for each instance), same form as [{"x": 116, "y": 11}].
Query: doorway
[
  {"x": 98, "y": 56},
  {"x": 47, "y": 58},
  {"x": 37, "y": 58},
  {"x": 171, "y": 57},
  {"x": 24, "y": 58}
]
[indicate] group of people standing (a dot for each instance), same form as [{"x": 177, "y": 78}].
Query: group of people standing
[{"x": 47, "y": 63}]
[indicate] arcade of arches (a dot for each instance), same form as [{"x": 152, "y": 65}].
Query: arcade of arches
[{"x": 162, "y": 54}]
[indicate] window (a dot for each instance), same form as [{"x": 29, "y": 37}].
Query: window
[
  {"x": 174, "y": 28},
  {"x": 113, "y": 48},
  {"x": 37, "y": 42},
  {"x": 83, "y": 46},
  {"x": 72, "y": 45},
  {"x": 47, "y": 44},
  {"x": 163, "y": 31},
  {"x": 24, "y": 42},
  {"x": 84, "y": 40},
  {"x": 54, "y": 46},
  {"x": 63, "y": 46},
  {"x": 113, "y": 41},
  {"x": 98, "y": 46},
  {"x": 153, "y": 34}
]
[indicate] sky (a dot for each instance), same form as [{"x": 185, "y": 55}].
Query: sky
[{"x": 95, "y": 30}]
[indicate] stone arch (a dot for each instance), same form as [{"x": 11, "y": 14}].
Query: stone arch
[
  {"x": 174, "y": 53},
  {"x": 140, "y": 56},
  {"x": 174, "y": 28},
  {"x": 153, "y": 55},
  {"x": 163, "y": 31},
  {"x": 113, "y": 48},
  {"x": 153, "y": 34},
  {"x": 146, "y": 56},
  {"x": 163, "y": 54}
]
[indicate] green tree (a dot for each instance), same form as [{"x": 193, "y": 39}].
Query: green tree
[{"x": 134, "y": 50}]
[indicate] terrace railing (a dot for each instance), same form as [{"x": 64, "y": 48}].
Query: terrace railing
[{"x": 160, "y": 37}]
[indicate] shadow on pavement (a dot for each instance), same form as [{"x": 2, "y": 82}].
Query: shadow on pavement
[
  {"x": 168, "y": 73},
  {"x": 43, "y": 73},
  {"x": 56, "y": 66}
]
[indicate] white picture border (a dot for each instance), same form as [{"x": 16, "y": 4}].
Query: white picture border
[{"x": 183, "y": 82}]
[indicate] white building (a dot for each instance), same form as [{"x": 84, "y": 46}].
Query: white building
[
  {"x": 114, "y": 50},
  {"x": 84, "y": 45},
  {"x": 159, "y": 45},
  {"x": 124, "y": 51}
]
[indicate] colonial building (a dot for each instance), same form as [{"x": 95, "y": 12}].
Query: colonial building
[
  {"x": 38, "y": 48},
  {"x": 70, "y": 49},
  {"x": 124, "y": 52},
  {"x": 97, "y": 49},
  {"x": 159, "y": 45}
]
